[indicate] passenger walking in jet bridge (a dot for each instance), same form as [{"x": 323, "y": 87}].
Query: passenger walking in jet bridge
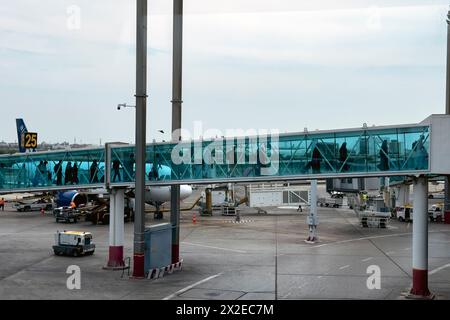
[
  {"x": 129, "y": 168},
  {"x": 93, "y": 172},
  {"x": 22, "y": 179},
  {"x": 47, "y": 173},
  {"x": 2, "y": 204},
  {"x": 156, "y": 166},
  {"x": 316, "y": 160},
  {"x": 58, "y": 171},
  {"x": 343, "y": 155},
  {"x": 68, "y": 176},
  {"x": 384, "y": 158},
  {"x": 116, "y": 170},
  {"x": 75, "y": 179},
  {"x": 2, "y": 179},
  {"x": 420, "y": 154},
  {"x": 39, "y": 174}
]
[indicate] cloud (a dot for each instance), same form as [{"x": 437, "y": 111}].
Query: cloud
[{"x": 263, "y": 63}]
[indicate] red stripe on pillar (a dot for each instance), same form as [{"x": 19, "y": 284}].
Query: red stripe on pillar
[
  {"x": 115, "y": 257},
  {"x": 175, "y": 253},
  {"x": 138, "y": 266},
  {"x": 420, "y": 283}
]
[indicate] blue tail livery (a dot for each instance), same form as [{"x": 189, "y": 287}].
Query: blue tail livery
[{"x": 21, "y": 130}]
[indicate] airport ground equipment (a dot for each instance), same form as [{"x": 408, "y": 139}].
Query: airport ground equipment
[
  {"x": 99, "y": 213},
  {"x": 435, "y": 212},
  {"x": 229, "y": 210},
  {"x": 275, "y": 195},
  {"x": 331, "y": 202},
  {"x": 37, "y": 205},
  {"x": 66, "y": 214},
  {"x": 73, "y": 243},
  {"x": 373, "y": 219},
  {"x": 405, "y": 213}
]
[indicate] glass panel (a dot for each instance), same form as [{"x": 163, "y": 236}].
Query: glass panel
[{"x": 324, "y": 153}]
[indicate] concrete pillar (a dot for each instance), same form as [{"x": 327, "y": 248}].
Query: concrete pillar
[
  {"x": 420, "y": 239},
  {"x": 116, "y": 229},
  {"x": 312, "y": 216}
]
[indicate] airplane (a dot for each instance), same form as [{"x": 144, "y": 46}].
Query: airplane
[
  {"x": 155, "y": 196},
  {"x": 21, "y": 131}
]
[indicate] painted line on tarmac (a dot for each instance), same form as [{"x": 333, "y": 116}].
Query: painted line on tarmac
[
  {"x": 180, "y": 292},
  {"x": 439, "y": 269},
  {"x": 344, "y": 267},
  {"x": 367, "y": 260},
  {"x": 224, "y": 249},
  {"x": 374, "y": 237},
  {"x": 362, "y": 239}
]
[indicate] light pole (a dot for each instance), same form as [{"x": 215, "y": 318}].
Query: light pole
[
  {"x": 177, "y": 102},
  {"x": 447, "y": 112},
  {"x": 141, "y": 130}
]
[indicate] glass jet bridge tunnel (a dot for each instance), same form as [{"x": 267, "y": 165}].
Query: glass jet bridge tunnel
[{"x": 404, "y": 150}]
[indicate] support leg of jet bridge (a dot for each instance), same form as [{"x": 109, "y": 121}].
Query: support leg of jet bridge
[
  {"x": 420, "y": 241},
  {"x": 116, "y": 230}
]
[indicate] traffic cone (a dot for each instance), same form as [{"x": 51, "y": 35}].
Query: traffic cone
[{"x": 194, "y": 218}]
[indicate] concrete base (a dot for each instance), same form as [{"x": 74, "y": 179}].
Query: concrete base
[
  {"x": 138, "y": 270},
  {"x": 175, "y": 253},
  {"x": 447, "y": 217},
  {"x": 410, "y": 296},
  {"x": 116, "y": 261},
  {"x": 420, "y": 283}
]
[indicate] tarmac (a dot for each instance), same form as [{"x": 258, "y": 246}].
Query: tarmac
[{"x": 264, "y": 257}]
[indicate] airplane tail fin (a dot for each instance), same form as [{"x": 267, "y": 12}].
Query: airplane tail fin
[{"x": 21, "y": 130}]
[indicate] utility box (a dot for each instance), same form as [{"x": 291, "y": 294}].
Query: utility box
[{"x": 158, "y": 246}]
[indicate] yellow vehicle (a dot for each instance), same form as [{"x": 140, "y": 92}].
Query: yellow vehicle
[
  {"x": 73, "y": 243},
  {"x": 405, "y": 213}
]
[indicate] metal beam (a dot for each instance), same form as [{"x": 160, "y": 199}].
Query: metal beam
[{"x": 141, "y": 130}]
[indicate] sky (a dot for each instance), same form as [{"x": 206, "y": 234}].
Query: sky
[{"x": 248, "y": 64}]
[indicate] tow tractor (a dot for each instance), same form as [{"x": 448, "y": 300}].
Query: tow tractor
[
  {"x": 73, "y": 243},
  {"x": 66, "y": 214}
]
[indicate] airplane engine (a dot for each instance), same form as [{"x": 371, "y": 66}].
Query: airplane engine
[
  {"x": 162, "y": 194},
  {"x": 64, "y": 199}
]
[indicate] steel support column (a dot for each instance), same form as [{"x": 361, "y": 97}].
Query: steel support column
[
  {"x": 141, "y": 130},
  {"x": 177, "y": 101},
  {"x": 447, "y": 111},
  {"x": 312, "y": 216}
]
